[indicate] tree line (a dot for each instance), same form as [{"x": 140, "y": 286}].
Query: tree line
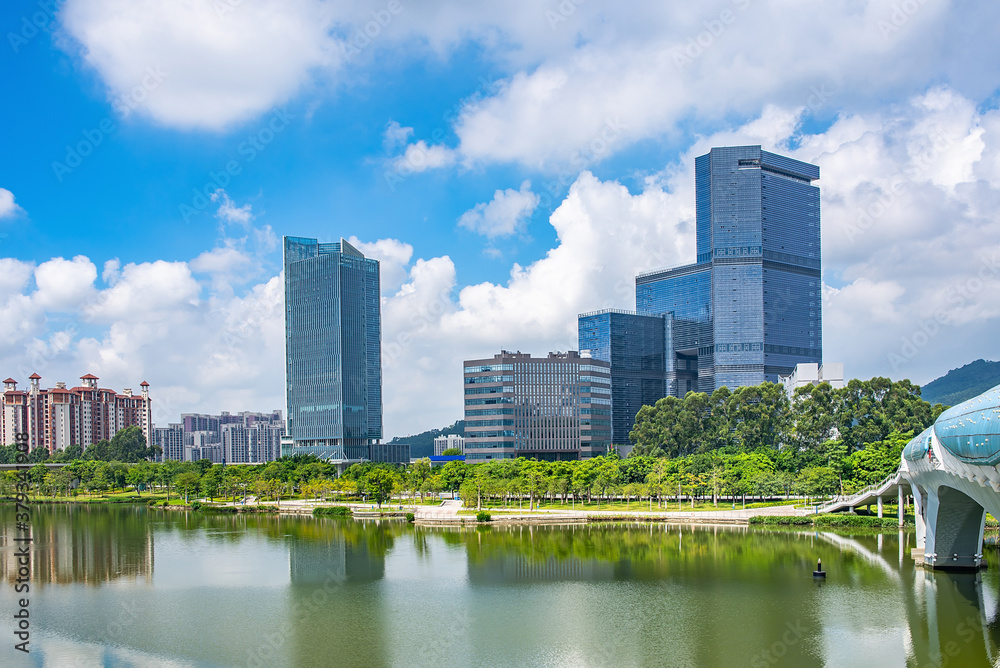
[{"x": 750, "y": 442}]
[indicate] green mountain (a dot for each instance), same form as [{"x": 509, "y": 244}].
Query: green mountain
[
  {"x": 422, "y": 444},
  {"x": 960, "y": 384}
]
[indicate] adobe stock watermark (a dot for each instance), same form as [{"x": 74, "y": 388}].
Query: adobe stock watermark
[
  {"x": 248, "y": 150},
  {"x": 414, "y": 159},
  {"x": 363, "y": 36},
  {"x": 37, "y": 360},
  {"x": 266, "y": 652},
  {"x": 564, "y": 10},
  {"x": 599, "y": 147},
  {"x": 819, "y": 96},
  {"x": 42, "y": 21},
  {"x": 900, "y": 15},
  {"x": 123, "y": 105},
  {"x": 779, "y": 648},
  {"x": 957, "y": 296},
  {"x": 417, "y": 325},
  {"x": 714, "y": 29},
  {"x": 866, "y": 218}
]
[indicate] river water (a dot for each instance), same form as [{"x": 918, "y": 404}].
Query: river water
[{"x": 128, "y": 586}]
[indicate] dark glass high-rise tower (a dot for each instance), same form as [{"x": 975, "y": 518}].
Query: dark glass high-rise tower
[
  {"x": 635, "y": 346},
  {"x": 333, "y": 367},
  {"x": 750, "y": 308}
]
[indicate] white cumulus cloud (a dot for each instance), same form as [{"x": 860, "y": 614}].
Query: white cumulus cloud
[
  {"x": 8, "y": 207},
  {"x": 202, "y": 63},
  {"x": 504, "y": 215}
]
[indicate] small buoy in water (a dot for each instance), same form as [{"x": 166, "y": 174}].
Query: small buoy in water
[{"x": 819, "y": 572}]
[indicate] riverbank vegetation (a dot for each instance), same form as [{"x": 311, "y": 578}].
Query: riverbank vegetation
[{"x": 748, "y": 446}]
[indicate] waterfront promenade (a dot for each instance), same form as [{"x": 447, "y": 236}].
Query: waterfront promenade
[{"x": 448, "y": 512}]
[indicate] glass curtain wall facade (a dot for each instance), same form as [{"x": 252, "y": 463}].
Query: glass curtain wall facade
[
  {"x": 332, "y": 346},
  {"x": 549, "y": 408},
  {"x": 635, "y": 347},
  {"x": 750, "y": 308}
]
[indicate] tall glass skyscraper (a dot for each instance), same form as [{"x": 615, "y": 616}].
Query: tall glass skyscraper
[
  {"x": 750, "y": 308},
  {"x": 333, "y": 341}
]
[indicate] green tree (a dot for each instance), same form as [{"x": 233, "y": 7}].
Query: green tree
[
  {"x": 211, "y": 481},
  {"x": 187, "y": 483},
  {"x": 875, "y": 461},
  {"x": 38, "y": 455},
  {"x": 420, "y": 471},
  {"x": 380, "y": 482},
  {"x": 759, "y": 416},
  {"x": 818, "y": 480},
  {"x": 68, "y": 454},
  {"x": 868, "y": 411},
  {"x": 453, "y": 475},
  {"x": 813, "y": 416},
  {"x": 452, "y": 452}
]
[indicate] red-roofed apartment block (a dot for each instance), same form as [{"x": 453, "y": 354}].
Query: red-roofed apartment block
[{"x": 57, "y": 417}]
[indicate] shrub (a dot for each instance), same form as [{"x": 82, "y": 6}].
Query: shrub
[
  {"x": 831, "y": 520},
  {"x": 827, "y": 520},
  {"x": 785, "y": 520},
  {"x": 483, "y": 516},
  {"x": 410, "y": 517},
  {"x": 196, "y": 505},
  {"x": 227, "y": 510},
  {"x": 333, "y": 511}
]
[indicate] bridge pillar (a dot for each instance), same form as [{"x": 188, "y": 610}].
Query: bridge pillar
[
  {"x": 901, "y": 508},
  {"x": 880, "y": 506},
  {"x": 954, "y": 529},
  {"x": 918, "y": 516}
]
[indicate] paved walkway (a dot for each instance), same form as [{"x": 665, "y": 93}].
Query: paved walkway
[
  {"x": 698, "y": 515},
  {"x": 446, "y": 511}
]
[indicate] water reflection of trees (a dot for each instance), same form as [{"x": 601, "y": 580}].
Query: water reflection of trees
[
  {"x": 81, "y": 543},
  {"x": 656, "y": 551}
]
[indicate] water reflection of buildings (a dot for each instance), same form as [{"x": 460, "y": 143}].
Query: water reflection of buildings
[
  {"x": 512, "y": 568},
  {"x": 334, "y": 558},
  {"x": 337, "y": 568},
  {"x": 85, "y": 545}
]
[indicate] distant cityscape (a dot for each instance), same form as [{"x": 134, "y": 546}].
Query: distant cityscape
[{"x": 748, "y": 310}]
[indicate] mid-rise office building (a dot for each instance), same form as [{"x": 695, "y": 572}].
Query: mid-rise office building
[
  {"x": 390, "y": 453},
  {"x": 57, "y": 417},
  {"x": 550, "y": 408},
  {"x": 750, "y": 308},
  {"x": 635, "y": 347},
  {"x": 449, "y": 442},
  {"x": 333, "y": 367}
]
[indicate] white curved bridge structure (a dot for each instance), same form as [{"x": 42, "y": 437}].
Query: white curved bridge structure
[{"x": 951, "y": 470}]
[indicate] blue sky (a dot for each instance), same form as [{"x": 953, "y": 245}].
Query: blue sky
[{"x": 511, "y": 165}]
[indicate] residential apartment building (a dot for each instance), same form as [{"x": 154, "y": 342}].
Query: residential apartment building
[
  {"x": 57, "y": 417},
  {"x": 551, "y": 408},
  {"x": 449, "y": 442},
  {"x": 232, "y": 438},
  {"x": 170, "y": 440}
]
